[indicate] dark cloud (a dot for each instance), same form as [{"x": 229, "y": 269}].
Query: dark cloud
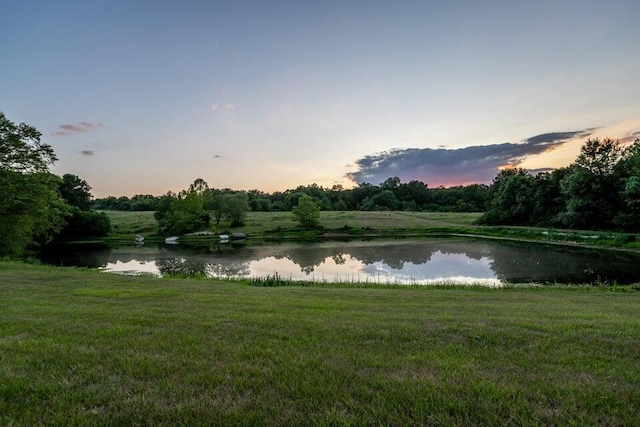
[
  {"x": 80, "y": 127},
  {"x": 87, "y": 152},
  {"x": 555, "y": 137},
  {"x": 467, "y": 165}
]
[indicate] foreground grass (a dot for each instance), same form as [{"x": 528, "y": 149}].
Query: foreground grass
[{"x": 83, "y": 348}]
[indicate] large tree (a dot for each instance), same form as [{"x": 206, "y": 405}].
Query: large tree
[
  {"x": 307, "y": 212},
  {"x": 236, "y": 206},
  {"x": 592, "y": 187},
  {"x": 76, "y": 191},
  {"x": 628, "y": 169},
  {"x": 21, "y": 149},
  {"x": 185, "y": 214},
  {"x": 83, "y": 221},
  {"x": 192, "y": 209},
  {"x": 600, "y": 157},
  {"x": 511, "y": 201},
  {"x": 31, "y": 207}
]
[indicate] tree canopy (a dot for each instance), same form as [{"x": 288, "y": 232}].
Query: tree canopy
[
  {"x": 307, "y": 212},
  {"x": 192, "y": 210},
  {"x": 410, "y": 196},
  {"x": 31, "y": 208},
  {"x": 83, "y": 220},
  {"x": 35, "y": 205},
  {"x": 21, "y": 149},
  {"x": 76, "y": 192},
  {"x": 600, "y": 190}
]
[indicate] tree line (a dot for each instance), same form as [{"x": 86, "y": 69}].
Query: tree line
[
  {"x": 392, "y": 194},
  {"x": 195, "y": 208},
  {"x": 198, "y": 207},
  {"x": 599, "y": 190}
]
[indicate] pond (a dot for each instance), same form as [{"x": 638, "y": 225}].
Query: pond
[{"x": 421, "y": 261}]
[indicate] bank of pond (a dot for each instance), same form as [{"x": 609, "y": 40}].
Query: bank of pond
[{"x": 425, "y": 261}]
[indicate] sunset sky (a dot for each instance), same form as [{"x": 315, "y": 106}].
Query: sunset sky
[{"x": 143, "y": 97}]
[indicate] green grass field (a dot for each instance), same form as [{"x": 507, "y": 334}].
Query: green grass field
[
  {"x": 128, "y": 224},
  {"x": 399, "y": 224},
  {"x": 85, "y": 348},
  {"x": 261, "y": 222}
]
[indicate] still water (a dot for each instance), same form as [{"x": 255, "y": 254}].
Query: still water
[{"x": 423, "y": 261}]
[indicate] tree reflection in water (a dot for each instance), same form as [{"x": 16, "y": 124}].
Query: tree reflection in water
[{"x": 402, "y": 261}]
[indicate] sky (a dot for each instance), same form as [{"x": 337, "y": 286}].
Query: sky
[{"x": 144, "y": 97}]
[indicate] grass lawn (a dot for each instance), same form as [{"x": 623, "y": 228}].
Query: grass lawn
[
  {"x": 85, "y": 348},
  {"x": 264, "y": 221},
  {"x": 394, "y": 224},
  {"x": 126, "y": 225}
]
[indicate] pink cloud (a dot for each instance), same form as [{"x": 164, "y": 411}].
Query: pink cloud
[
  {"x": 630, "y": 138},
  {"x": 80, "y": 127}
]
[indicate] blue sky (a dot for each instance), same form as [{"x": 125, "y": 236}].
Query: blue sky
[{"x": 146, "y": 96}]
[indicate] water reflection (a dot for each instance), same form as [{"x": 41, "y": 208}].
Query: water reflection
[{"x": 401, "y": 261}]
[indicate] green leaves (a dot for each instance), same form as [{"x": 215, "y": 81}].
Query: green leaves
[
  {"x": 76, "y": 191},
  {"x": 600, "y": 157},
  {"x": 31, "y": 208},
  {"x": 307, "y": 212},
  {"x": 192, "y": 209},
  {"x": 236, "y": 206},
  {"x": 600, "y": 190},
  {"x": 21, "y": 149}
]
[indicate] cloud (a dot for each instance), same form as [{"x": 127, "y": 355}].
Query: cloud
[
  {"x": 222, "y": 107},
  {"x": 555, "y": 137},
  {"x": 441, "y": 166},
  {"x": 87, "y": 152},
  {"x": 630, "y": 138},
  {"x": 80, "y": 127}
]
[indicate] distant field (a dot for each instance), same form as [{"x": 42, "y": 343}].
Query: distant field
[
  {"x": 382, "y": 223},
  {"x": 262, "y": 221},
  {"x": 86, "y": 348},
  {"x": 127, "y": 224}
]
